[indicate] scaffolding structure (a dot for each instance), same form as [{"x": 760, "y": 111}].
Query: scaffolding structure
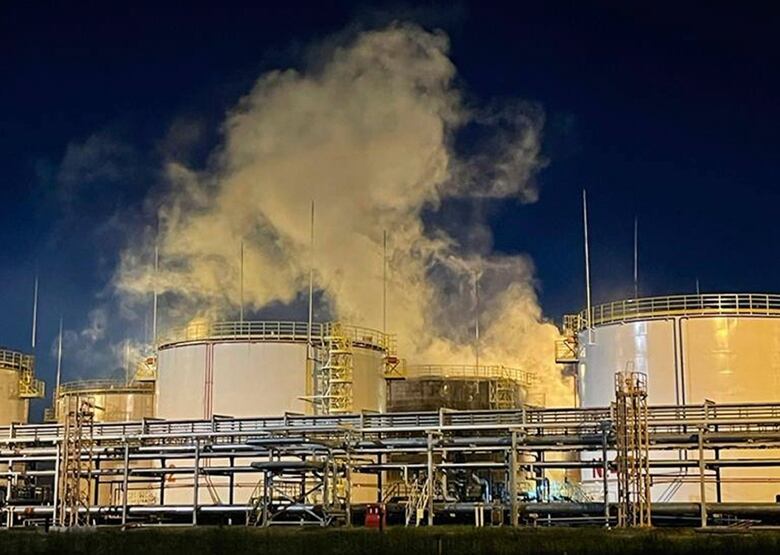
[
  {"x": 333, "y": 375},
  {"x": 632, "y": 444},
  {"x": 503, "y": 394},
  {"x": 301, "y": 489},
  {"x": 77, "y": 464}
]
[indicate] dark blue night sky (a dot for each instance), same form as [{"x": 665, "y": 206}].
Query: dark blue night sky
[{"x": 668, "y": 111}]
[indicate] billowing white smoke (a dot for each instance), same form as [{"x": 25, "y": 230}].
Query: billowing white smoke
[{"x": 369, "y": 136}]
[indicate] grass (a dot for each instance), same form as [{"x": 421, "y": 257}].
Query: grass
[{"x": 444, "y": 540}]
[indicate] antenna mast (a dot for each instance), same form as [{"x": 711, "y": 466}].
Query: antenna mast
[
  {"x": 242, "y": 284},
  {"x": 384, "y": 281},
  {"x": 636, "y": 257},
  {"x": 311, "y": 274},
  {"x": 35, "y": 312},
  {"x": 59, "y": 362},
  {"x": 476, "y": 319},
  {"x": 154, "y": 296},
  {"x": 587, "y": 265}
]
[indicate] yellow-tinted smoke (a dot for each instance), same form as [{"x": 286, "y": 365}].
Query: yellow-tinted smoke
[{"x": 367, "y": 135}]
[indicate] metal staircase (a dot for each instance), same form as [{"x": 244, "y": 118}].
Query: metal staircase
[
  {"x": 333, "y": 378},
  {"x": 567, "y": 350},
  {"x": 24, "y": 365}
]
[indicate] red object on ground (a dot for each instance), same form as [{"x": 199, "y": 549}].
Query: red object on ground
[{"x": 375, "y": 516}]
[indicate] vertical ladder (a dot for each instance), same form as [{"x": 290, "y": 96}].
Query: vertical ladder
[
  {"x": 632, "y": 445},
  {"x": 77, "y": 462}
]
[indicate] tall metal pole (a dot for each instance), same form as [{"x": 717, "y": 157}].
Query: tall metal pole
[
  {"x": 384, "y": 281},
  {"x": 59, "y": 365},
  {"x": 125, "y": 481},
  {"x": 476, "y": 320},
  {"x": 35, "y": 312},
  {"x": 513, "y": 507},
  {"x": 429, "y": 483},
  {"x": 698, "y": 291},
  {"x": 196, "y": 484},
  {"x": 127, "y": 361},
  {"x": 702, "y": 486},
  {"x": 241, "y": 285},
  {"x": 605, "y": 471},
  {"x": 311, "y": 275},
  {"x": 636, "y": 257},
  {"x": 154, "y": 297},
  {"x": 56, "y": 499},
  {"x": 587, "y": 265}
]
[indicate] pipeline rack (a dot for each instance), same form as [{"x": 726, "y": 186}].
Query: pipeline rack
[{"x": 295, "y": 454}]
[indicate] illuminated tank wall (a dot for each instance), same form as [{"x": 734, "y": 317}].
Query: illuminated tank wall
[
  {"x": 264, "y": 368},
  {"x": 432, "y": 387},
  {"x": 17, "y": 386},
  {"x": 718, "y": 348},
  {"x": 12, "y": 407},
  {"x": 114, "y": 401},
  {"x": 260, "y": 369}
]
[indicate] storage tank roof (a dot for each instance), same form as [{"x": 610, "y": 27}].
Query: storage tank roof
[
  {"x": 279, "y": 332},
  {"x": 104, "y": 386},
  {"x": 710, "y": 304},
  {"x": 470, "y": 372}
]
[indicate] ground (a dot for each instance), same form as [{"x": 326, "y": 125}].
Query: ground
[{"x": 444, "y": 540}]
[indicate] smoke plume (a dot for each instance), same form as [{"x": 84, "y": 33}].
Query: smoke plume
[{"x": 371, "y": 134}]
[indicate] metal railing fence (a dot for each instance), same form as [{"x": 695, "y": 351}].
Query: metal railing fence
[
  {"x": 721, "y": 304},
  {"x": 281, "y": 331},
  {"x": 465, "y": 371}
]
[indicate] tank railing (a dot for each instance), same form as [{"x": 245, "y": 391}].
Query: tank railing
[
  {"x": 464, "y": 371},
  {"x": 16, "y": 360},
  {"x": 297, "y": 332},
  {"x": 104, "y": 384},
  {"x": 730, "y": 304}
]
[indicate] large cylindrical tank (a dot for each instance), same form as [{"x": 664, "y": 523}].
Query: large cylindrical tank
[
  {"x": 246, "y": 369},
  {"x": 431, "y": 387},
  {"x": 459, "y": 387},
  {"x": 113, "y": 400},
  {"x": 723, "y": 348},
  {"x": 269, "y": 368},
  {"x": 17, "y": 386}
]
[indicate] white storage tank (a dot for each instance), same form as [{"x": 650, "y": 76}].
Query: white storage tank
[
  {"x": 723, "y": 348},
  {"x": 269, "y": 368},
  {"x": 113, "y": 400},
  {"x": 246, "y": 369},
  {"x": 430, "y": 387}
]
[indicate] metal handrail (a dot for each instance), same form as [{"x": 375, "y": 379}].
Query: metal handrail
[
  {"x": 761, "y": 417},
  {"x": 84, "y": 386},
  {"x": 281, "y": 331},
  {"x": 464, "y": 371},
  {"x": 16, "y": 360},
  {"x": 720, "y": 304}
]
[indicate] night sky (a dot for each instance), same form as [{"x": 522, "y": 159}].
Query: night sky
[{"x": 668, "y": 112}]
